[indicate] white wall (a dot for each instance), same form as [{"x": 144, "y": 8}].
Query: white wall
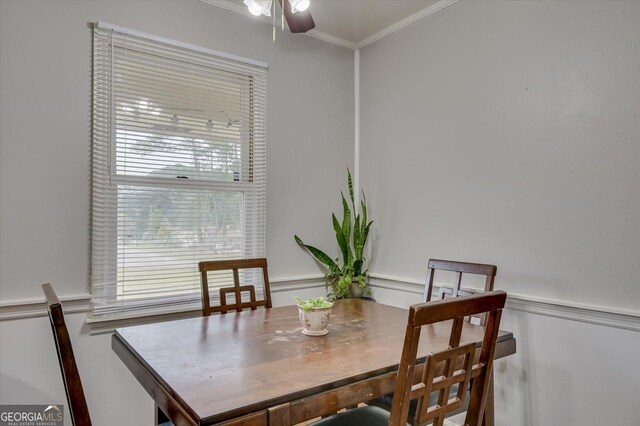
[
  {"x": 564, "y": 372},
  {"x": 45, "y": 81},
  {"x": 495, "y": 131},
  {"x": 29, "y": 371},
  {"x": 507, "y": 133},
  {"x": 45, "y": 117}
]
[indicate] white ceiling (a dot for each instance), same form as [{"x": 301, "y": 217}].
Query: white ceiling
[
  {"x": 356, "y": 23},
  {"x": 357, "y": 20}
]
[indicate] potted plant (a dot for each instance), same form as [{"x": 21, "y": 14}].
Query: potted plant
[
  {"x": 349, "y": 277},
  {"x": 314, "y": 315}
]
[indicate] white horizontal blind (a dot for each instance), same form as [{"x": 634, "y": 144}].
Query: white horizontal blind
[{"x": 179, "y": 168}]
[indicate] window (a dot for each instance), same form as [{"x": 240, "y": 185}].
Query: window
[{"x": 178, "y": 167}]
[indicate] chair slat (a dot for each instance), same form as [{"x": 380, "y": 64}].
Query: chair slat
[
  {"x": 236, "y": 290},
  {"x": 480, "y": 371},
  {"x": 488, "y": 271},
  {"x": 460, "y": 368}
]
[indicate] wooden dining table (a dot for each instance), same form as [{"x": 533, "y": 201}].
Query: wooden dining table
[{"x": 257, "y": 368}]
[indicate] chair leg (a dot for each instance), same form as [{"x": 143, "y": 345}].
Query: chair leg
[{"x": 489, "y": 419}]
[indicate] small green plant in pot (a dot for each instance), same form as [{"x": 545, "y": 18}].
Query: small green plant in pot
[
  {"x": 314, "y": 315},
  {"x": 349, "y": 277}
]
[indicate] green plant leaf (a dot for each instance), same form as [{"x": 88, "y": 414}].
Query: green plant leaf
[
  {"x": 365, "y": 233},
  {"x": 350, "y": 183},
  {"x": 357, "y": 266},
  {"x": 363, "y": 206},
  {"x": 310, "y": 303},
  {"x": 342, "y": 243},
  {"x": 357, "y": 235},
  {"x": 346, "y": 218},
  {"x": 346, "y": 228},
  {"x": 351, "y": 236},
  {"x": 318, "y": 254}
]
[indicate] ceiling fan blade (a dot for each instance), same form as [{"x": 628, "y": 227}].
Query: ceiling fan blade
[{"x": 299, "y": 22}]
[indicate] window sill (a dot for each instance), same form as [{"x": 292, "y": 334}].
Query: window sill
[{"x": 108, "y": 323}]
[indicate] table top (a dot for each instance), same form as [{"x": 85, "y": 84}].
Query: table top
[{"x": 224, "y": 366}]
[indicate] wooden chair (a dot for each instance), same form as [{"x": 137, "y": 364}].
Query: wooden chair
[
  {"x": 72, "y": 385},
  {"x": 233, "y": 266},
  {"x": 455, "y": 366},
  {"x": 488, "y": 271}
]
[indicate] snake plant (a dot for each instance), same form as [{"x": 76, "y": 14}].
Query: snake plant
[{"x": 351, "y": 236}]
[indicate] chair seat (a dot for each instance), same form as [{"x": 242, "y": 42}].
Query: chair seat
[{"x": 362, "y": 416}]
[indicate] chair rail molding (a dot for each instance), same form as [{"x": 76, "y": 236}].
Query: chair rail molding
[
  {"x": 32, "y": 308},
  {"x": 592, "y": 314}
]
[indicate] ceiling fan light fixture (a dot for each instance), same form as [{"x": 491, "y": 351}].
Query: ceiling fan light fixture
[
  {"x": 299, "y": 5},
  {"x": 259, "y": 7}
]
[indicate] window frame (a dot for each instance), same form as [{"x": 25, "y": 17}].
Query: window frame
[{"x": 105, "y": 297}]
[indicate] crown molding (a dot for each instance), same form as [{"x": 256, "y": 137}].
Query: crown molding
[
  {"x": 425, "y": 13},
  {"x": 332, "y": 39},
  {"x": 240, "y": 9},
  {"x": 233, "y": 7}
]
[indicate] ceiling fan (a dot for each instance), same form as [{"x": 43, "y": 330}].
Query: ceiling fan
[{"x": 296, "y": 12}]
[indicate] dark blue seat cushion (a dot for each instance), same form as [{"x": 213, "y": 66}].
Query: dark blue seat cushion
[
  {"x": 373, "y": 415},
  {"x": 365, "y": 416}
]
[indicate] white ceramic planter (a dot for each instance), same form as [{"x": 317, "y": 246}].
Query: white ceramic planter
[
  {"x": 356, "y": 291},
  {"x": 315, "y": 321}
]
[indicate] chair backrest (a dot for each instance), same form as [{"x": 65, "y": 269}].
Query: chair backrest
[
  {"x": 72, "y": 385},
  {"x": 236, "y": 291},
  {"x": 456, "y": 365},
  {"x": 489, "y": 272}
]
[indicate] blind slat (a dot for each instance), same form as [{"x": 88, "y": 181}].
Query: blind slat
[{"x": 179, "y": 170}]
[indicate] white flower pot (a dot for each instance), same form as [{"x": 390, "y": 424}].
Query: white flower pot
[
  {"x": 356, "y": 291},
  {"x": 315, "y": 321}
]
